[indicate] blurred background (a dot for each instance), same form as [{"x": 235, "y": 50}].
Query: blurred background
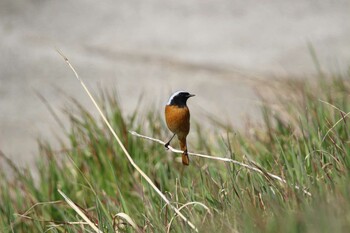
[{"x": 220, "y": 50}]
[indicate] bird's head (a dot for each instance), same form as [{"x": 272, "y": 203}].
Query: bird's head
[{"x": 179, "y": 98}]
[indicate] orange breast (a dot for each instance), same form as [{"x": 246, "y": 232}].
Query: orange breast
[{"x": 178, "y": 120}]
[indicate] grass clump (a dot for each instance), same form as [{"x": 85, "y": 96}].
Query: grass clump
[{"x": 304, "y": 138}]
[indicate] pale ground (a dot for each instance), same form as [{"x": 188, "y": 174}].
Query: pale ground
[{"x": 216, "y": 49}]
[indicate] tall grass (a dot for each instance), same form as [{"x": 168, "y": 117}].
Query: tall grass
[{"x": 304, "y": 138}]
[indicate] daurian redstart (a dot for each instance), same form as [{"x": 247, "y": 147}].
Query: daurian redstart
[{"x": 177, "y": 116}]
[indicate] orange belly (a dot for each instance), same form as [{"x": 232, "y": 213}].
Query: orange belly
[{"x": 178, "y": 120}]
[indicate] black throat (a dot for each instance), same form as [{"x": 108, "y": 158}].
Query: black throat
[{"x": 179, "y": 101}]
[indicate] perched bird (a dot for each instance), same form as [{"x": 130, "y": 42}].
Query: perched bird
[{"x": 177, "y": 117}]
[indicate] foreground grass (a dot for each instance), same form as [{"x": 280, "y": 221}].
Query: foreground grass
[{"x": 304, "y": 138}]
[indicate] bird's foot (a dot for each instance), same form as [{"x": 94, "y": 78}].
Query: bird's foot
[{"x": 166, "y": 145}]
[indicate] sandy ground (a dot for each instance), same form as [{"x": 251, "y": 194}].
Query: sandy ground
[{"x": 215, "y": 49}]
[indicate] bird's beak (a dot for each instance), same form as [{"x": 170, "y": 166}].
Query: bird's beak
[{"x": 191, "y": 95}]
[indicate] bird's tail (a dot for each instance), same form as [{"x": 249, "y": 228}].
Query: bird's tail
[
  {"x": 185, "y": 159},
  {"x": 183, "y": 146}
]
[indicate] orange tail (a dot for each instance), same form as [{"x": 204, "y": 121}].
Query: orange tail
[
  {"x": 183, "y": 146},
  {"x": 185, "y": 159}
]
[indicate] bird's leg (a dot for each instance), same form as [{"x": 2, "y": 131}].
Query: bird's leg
[{"x": 167, "y": 144}]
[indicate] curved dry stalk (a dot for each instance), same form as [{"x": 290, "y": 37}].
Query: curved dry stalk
[
  {"x": 123, "y": 147},
  {"x": 128, "y": 219},
  {"x": 79, "y": 212},
  {"x": 344, "y": 114},
  {"x": 256, "y": 169},
  {"x": 38, "y": 204},
  {"x": 341, "y": 119},
  {"x": 185, "y": 205}
]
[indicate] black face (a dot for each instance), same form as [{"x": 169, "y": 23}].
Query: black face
[{"x": 180, "y": 99}]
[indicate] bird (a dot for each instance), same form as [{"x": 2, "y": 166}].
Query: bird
[{"x": 177, "y": 117}]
